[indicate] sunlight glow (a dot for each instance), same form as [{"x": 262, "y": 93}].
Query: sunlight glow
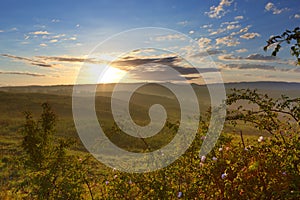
[{"x": 112, "y": 75}]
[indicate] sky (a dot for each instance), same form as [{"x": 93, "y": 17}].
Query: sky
[{"x": 59, "y": 42}]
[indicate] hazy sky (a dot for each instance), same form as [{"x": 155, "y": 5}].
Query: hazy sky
[{"x": 46, "y": 42}]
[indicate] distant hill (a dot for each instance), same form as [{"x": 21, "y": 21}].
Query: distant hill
[
  {"x": 16, "y": 100},
  {"x": 272, "y": 88}
]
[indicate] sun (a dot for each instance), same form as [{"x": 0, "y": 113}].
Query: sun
[{"x": 112, "y": 75}]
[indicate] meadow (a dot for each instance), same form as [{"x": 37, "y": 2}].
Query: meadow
[{"x": 256, "y": 156}]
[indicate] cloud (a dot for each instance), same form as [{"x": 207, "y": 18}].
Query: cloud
[
  {"x": 17, "y": 57},
  {"x": 219, "y": 11},
  {"x": 162, "y": 68},
  {"x": 43, "y": 45},
  {"x": 229, "y": 23},
  {"x": 206, "y": 26},
  {"x": 191, "y": 32},
  {"x": 26, "y": 37},
  {"x": 208, "y": 53},
  {"x": 77, "y": 25},
  {"x": 65, "y": 59},
  {"x": 55, "y": 20},
  {"x": 228, "y": 41},
  {"x": 170, "y": 37},
  {"x": 258, "y": 56},
  {"x": 183, "y": 23},
  {"x": 22, "y": 73},
  {"x": 53, "y": 41},
  {"x": 297, "y": 70},
  {"x": 241, "y": 50},
  {"x": 13, "y": 29},
  {"x": 239, "y": 17},
  {"x": 1, "y": 31},
  {"x": 129, "y": 62},
  {"x": 297, "y": 16},
  {"x": 204, "y": 42},
  {"x": 232, "y": 26},
  {"x": 243, "y": 30},
  {"x": 73, "y": 38},
  {"x": 58, "y": 36},
  {"x": 220, "y": 30},
  {"x": 30, "y": 61},
  {"x": 249, "y": 66},
  {"x": 230, "y": 57},
  {"x": 249, "y": 57},
  {"x": 272, "y": 8},
  {"x": 40, "y": 33},
  {"x": 248, "y": 36}
]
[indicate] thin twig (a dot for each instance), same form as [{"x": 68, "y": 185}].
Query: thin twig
[{"x": 241, "y": 133}]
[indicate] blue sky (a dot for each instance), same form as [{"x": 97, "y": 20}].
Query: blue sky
[{"x": 45, "y": 42}]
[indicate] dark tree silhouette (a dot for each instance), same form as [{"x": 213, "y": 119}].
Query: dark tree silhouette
[{"x": 288, "y": 37}]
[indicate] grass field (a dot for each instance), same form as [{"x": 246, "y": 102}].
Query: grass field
[{"x": 16, "y": 100}]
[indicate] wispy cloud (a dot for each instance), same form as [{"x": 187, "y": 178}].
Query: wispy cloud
[
  {"x": 297, "y": 16},
  {"x": 30, "y": 61},
  {"x": 22, "y": 73},
  {"x": 239, "y": 17},
  {"x": 191, "y": 32},
  {"x": 232, "y": 26},
  {"x": 65, "y": 59},
  {"x": 43, "y": 45},
  {"x": 183, "y": 23},
  {"x": 170, "y": 37},
  {"x": 219, "y": 11},
  {"x": 40, "y": 33},
  {"x": 241, "y": 50},
  {"x": 249, "y": 66},
  {"x": 272, "y": 8},
  {"x": 228, "y": 41},
  {"x": 53, "y": 41},
  {"x": 242, "y": 30},
  {"x": 13, "y": 29},
  {"x": 208, "y": 52},
  {"x": 55, "y": 20},
  {"x": 248, "y": 36},
  {"x": 73, "y": 38},
  {"x": 58, "y": 36},
  {"x": 218, "y": 31},
  {"x": 249, "y": 57}
]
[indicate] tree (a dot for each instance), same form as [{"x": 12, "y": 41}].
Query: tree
[
  {"x": 51, "y": 173},
  {"x": 288, "y": 37}
]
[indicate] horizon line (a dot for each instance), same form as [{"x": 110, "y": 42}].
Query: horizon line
[{"x": 288, "y": 82}]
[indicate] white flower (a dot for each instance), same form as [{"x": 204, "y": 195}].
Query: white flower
[
  {"x": 215, "y": 159},
  {"x": 223, "y": 175},
  {"x": 179, "y": 194},
  {"x": 260, "y": 139},
  {"x": 220, "y": 149},
  {"x": 203, "y": 158}
]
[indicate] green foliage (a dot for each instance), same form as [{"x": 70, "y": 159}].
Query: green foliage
[
  {"x": 288, "y": 37},
  {"x": 265, "y": 113},
  {"x": 50, "y": 172},
  {"x": 237, "y": 168}
]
